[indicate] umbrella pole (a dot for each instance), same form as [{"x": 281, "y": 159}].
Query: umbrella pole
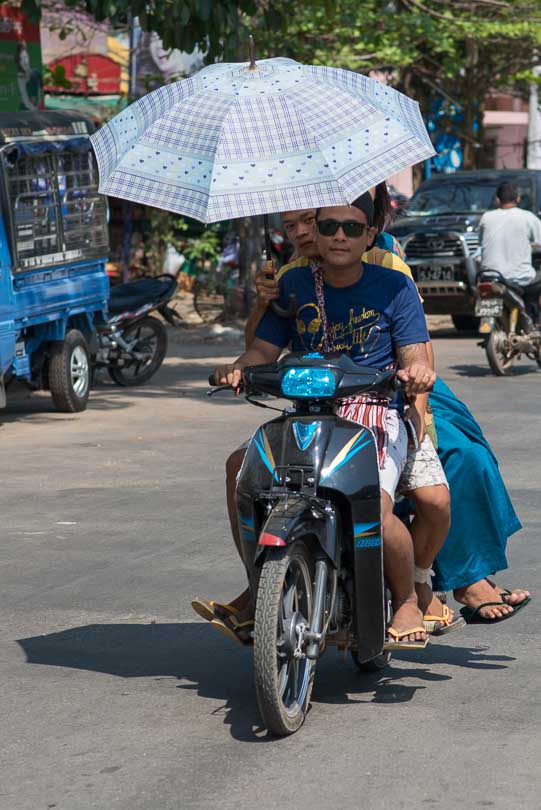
[
  {"x": 275, "y": 306},
  {"x": 268, "y": 243}
]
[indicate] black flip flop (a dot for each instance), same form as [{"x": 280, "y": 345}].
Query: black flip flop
[{"x": 471, "y": 615}]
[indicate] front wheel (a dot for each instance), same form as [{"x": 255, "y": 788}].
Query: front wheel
[
  {"x": 499, "y": 355},
  {"x": 147, "y": 339},
  {"x": 283, "y": 674},
  {"x": 70, "y": 373}
]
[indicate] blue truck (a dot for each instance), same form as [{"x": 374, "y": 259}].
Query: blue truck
[{"x": 53, "y": 248}]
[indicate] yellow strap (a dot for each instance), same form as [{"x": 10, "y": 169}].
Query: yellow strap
[
  {"x": 398, "y": 636},
  {"x": 444, "y": 618}
]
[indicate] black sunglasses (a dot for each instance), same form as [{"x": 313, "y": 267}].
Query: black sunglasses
[{"x": 352, "y": 229}]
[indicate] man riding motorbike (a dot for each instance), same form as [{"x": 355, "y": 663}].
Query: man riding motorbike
[
  {"x": 507, "y": 235},
  {"x": 377, "y": 317}
]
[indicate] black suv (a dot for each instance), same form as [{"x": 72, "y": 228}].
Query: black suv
[{"x": 440, "y": 234}]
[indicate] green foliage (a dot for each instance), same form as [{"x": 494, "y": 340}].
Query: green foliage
[
  {"x": 203, "y": 248},
  {"x": 461, "y": 49},
  {"x": 166, "y": 229},
  {"x": 216, "y": 27}
]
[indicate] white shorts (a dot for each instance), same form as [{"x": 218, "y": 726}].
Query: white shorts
[
  {"x": 395, "y": 454},
  {"x": 422, "y": 469}
]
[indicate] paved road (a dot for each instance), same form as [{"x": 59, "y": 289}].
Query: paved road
[{"x": 114, "y": 695}]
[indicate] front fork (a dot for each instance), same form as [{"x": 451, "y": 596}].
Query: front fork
[{"x": 314, "y": 635}]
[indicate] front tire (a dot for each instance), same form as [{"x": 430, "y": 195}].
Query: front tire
[
  {"x": 498, "y": 358},
  {"x": 283, "y": 682},
  {"x": 149, "y": 338},
  {"x": 70, "y": 373}
]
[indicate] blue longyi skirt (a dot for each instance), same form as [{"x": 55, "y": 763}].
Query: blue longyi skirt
[{"x": 482, "y": 515}]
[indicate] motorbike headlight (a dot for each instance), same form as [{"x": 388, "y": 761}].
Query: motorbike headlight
[{"x": 308, "y": 383}]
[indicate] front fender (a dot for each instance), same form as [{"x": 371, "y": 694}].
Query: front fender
[{"x": 292, "y": 517}]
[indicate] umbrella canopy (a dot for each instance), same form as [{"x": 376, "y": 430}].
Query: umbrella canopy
[{"x": 238, "y": 140}]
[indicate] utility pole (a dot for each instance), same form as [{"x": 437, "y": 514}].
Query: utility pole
[{"x": 534, "y": 125}]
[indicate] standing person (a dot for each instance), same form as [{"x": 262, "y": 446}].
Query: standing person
[{"x": 507, "y": 235}]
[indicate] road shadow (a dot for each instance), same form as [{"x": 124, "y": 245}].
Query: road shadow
[
  {"x": 345, "y": 684},
  {"x": 474, "y": 370},
  {"x": 201, "y": 661},
  {"x": 184, "y": 375},
  {"x": 191, "y": 652}
]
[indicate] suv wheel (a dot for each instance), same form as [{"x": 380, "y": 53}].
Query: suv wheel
[{"x": 465, "y": 323}]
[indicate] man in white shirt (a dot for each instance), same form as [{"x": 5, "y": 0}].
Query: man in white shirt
[{"x": 507, "y": 235}]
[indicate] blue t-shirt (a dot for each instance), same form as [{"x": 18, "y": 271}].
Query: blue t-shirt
[{"x": 367, "y": 320}]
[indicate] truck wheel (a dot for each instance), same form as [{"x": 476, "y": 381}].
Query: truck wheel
[
  {"x": 69, "y": 372},
  {"x": 465, "y": 323}
]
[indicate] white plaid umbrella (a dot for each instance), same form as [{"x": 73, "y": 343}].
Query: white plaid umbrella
[{"x": 236, "y": 141}]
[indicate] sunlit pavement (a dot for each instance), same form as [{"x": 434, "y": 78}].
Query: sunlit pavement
[{"x": 114, "y": 694}]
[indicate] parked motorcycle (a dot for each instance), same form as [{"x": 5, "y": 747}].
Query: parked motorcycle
[
  {"x": 308, "y": 501},
  {"x": 507, "y": 313},
  {"x": 132, "y": 344}
]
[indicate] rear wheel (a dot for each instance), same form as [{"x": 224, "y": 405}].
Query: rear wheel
[
  {"x": 374, "y": 665},
  {"x": 70, "y": 372},
  {"x": 147, "y": 337},
  {"x": 499, "y": 356},
  {"x": 283, "y": 675}
]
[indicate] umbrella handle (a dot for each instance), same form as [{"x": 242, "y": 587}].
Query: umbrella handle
[{"x": 291, "y": 309}]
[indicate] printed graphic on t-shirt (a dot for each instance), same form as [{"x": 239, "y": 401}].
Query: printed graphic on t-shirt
[
  {"x": 367, "y": 320},
  {"x": 356, "y": 336}
]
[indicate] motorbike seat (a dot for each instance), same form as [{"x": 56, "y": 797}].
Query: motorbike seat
[
  {"x": 534, "y": 287},
  {"x": 132, "y": 295},
  {"x": 495, "y": 275}
]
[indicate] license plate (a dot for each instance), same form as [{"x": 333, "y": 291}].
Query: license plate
[
  {"x": 488, "y": 307},
  {"x": 435, "y": 274}
]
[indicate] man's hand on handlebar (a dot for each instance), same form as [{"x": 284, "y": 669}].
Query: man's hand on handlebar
[
  {"x": 230, "y": 374},
  {"x": 418, "y": 378}
]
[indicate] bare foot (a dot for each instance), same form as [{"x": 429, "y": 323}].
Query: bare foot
[
  {"x": 407, "y": 615},
  {"x": 429, "y": 604},
  {"x": 484, "y": 591}
]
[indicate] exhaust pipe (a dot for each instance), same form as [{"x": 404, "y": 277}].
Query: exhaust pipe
[{"x": 520, "y": 344}]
